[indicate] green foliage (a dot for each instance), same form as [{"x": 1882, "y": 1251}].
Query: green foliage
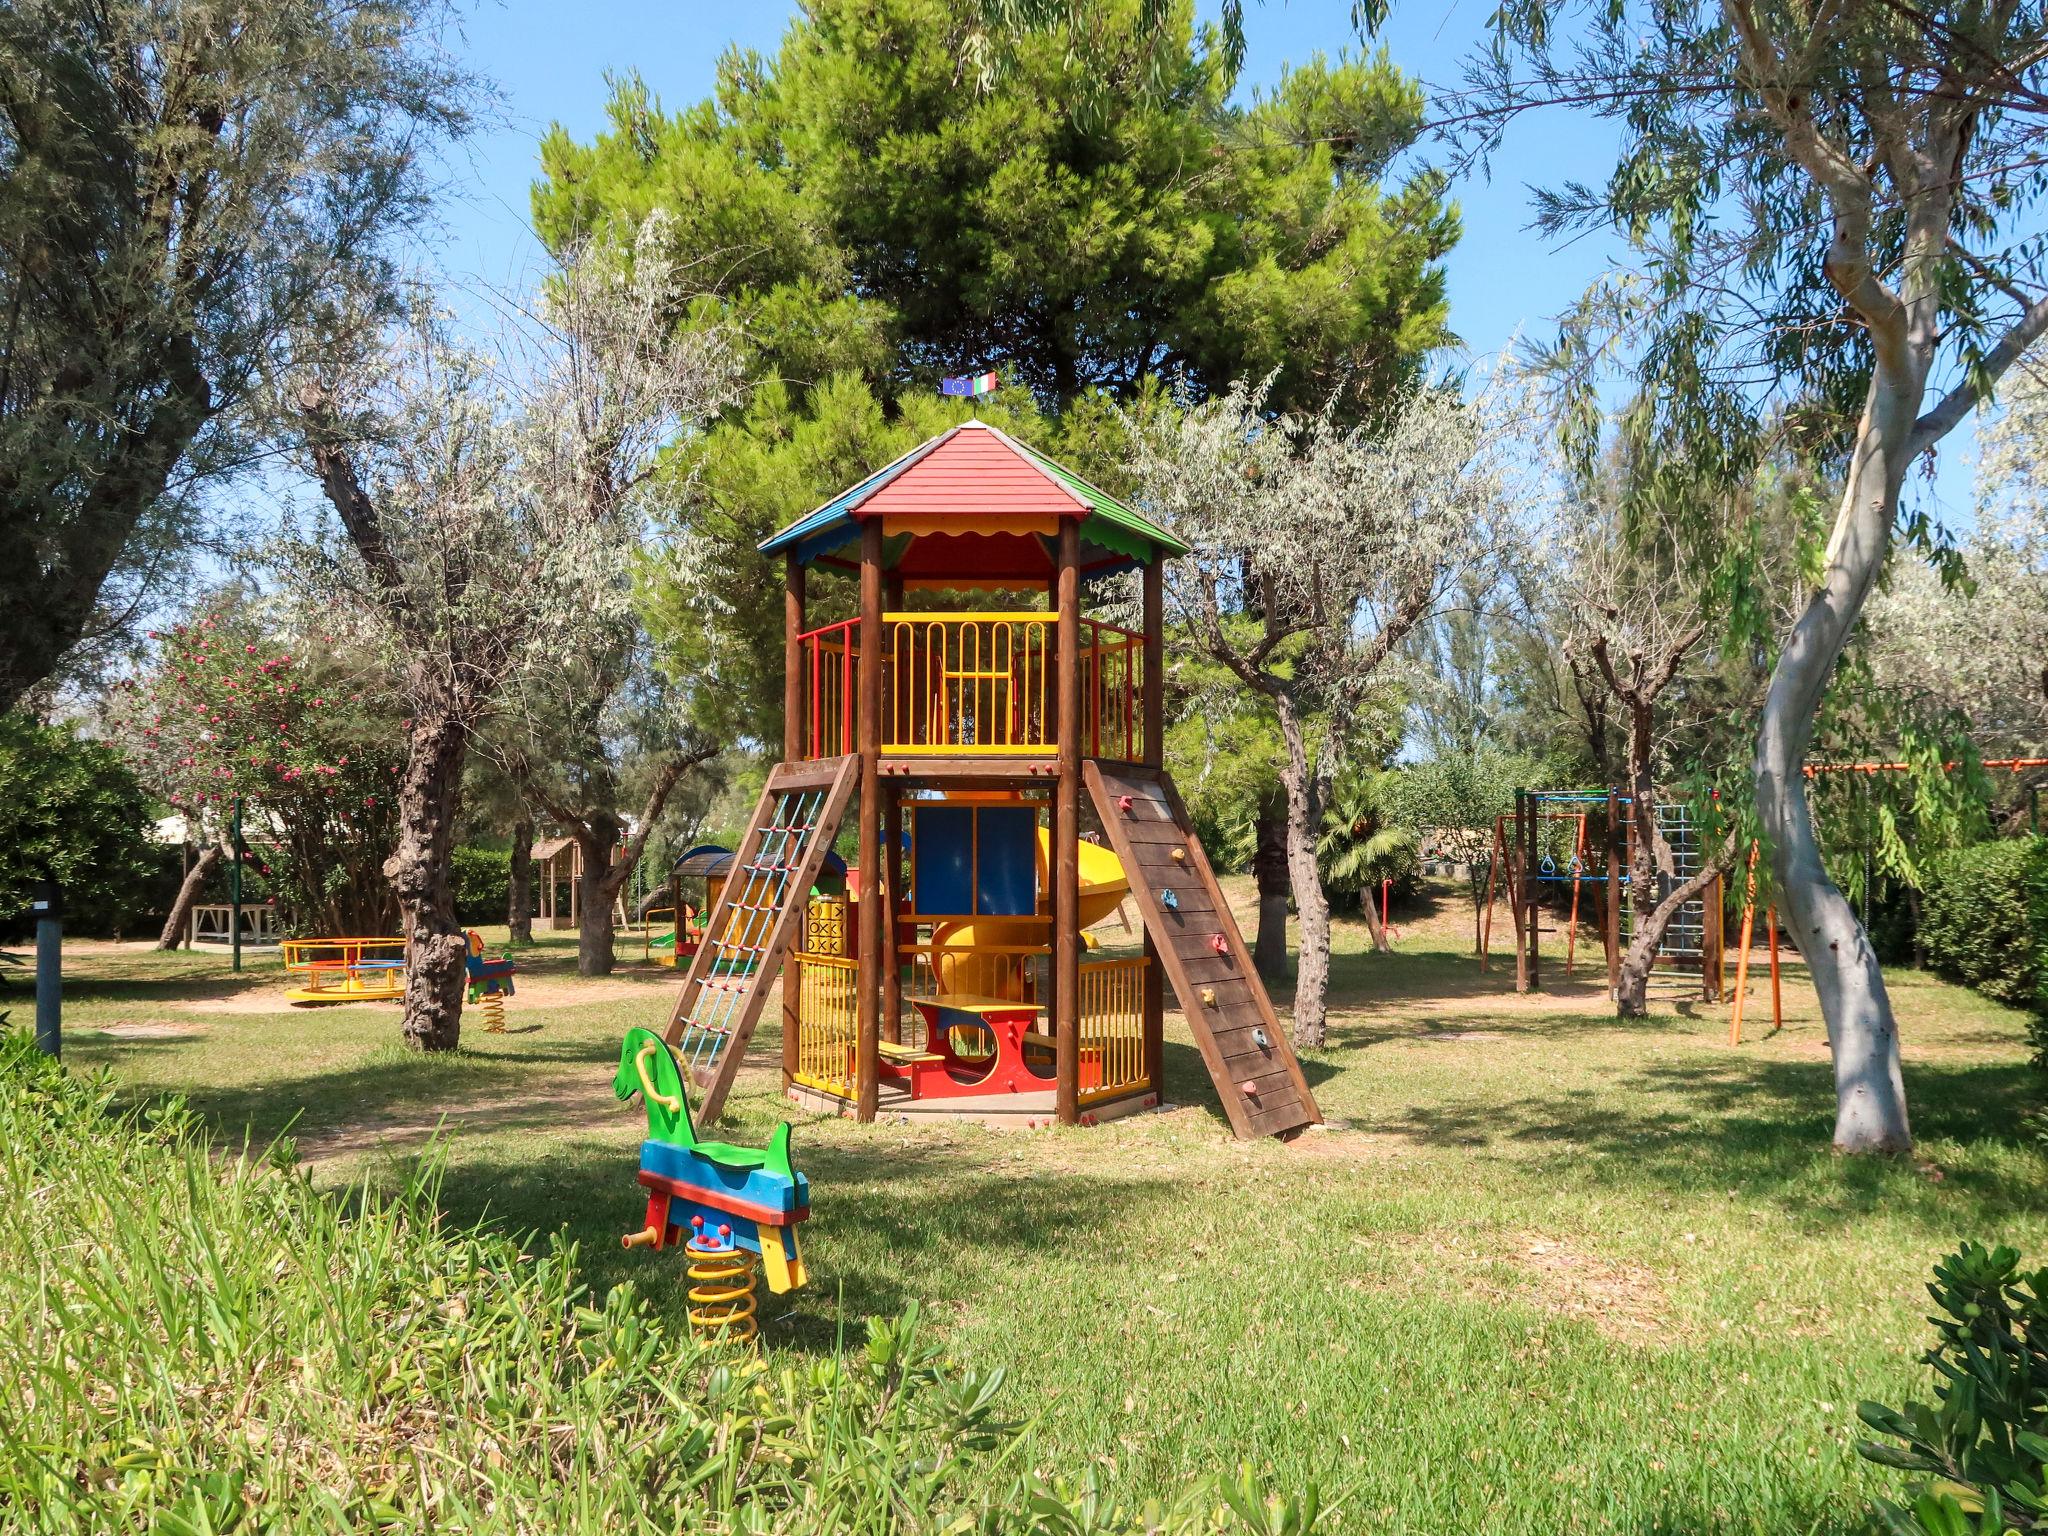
[
  {"x": 876, "y": 213},
  {"x": 1978, "y": 924},
  {"x": 1360, "y": 844},
  {"x": 147, "y": 327},
  {"x": 70, "y": 810},
  {"x": 235, "y": 711},
  {"x": 482, "y": 880},
  {"x": 1980, "y": 1452},
  {"x": 232, "y": 1350},
  {"x": 862, "y": 219}
]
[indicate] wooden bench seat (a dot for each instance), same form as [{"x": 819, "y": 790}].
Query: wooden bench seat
[{"x": 891, "y": 1051}]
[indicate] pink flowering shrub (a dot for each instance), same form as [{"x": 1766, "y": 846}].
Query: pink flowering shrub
[{"x": 295, "y": 732}]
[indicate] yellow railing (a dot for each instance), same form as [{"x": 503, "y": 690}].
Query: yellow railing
[
  {"x": 969, "y": 683},
  {"x": 973, "y": 684},
  {"x": 1112, "y": 1028},
  {"x": 826, "y": 987}
]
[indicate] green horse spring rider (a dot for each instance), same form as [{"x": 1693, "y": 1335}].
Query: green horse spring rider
[{"x": 724, "y": 1203}]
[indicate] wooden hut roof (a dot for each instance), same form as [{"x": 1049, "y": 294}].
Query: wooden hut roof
[{"x": 977, "y": 481}]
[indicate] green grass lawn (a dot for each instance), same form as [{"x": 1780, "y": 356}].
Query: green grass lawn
[{"x": 1545, "y": 1272}]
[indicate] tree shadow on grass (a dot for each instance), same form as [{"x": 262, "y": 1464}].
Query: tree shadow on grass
[
  {"x": 388, "y": 1085},
  {"x": 1762, "y": 1129},
  {"x": 888, "y": 1223}
]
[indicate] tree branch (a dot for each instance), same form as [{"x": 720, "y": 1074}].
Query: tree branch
[{"x": 1943, "y": 418}]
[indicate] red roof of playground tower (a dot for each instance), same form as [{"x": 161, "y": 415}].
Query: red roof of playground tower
[{"x": 976, "y": 503}]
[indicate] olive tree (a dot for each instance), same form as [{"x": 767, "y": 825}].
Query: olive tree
[
  {"x": 1315, "y": 549},
  {"x": 186, "y": 188},
  {"x": 611, "y": 385}
]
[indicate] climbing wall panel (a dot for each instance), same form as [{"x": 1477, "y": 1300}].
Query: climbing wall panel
[
  {"x": 1203, "y": 953},
  {"x": 758, "y": 916}
]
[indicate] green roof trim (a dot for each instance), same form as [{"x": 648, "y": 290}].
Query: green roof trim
[{"x": 1127, "y": 532}]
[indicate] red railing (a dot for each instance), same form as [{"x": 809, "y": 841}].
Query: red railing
[
  {"x": 831, "y": 662},
  {"x": 972, "y": 684}
]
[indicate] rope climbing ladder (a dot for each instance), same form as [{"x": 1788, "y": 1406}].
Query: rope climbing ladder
[{"x": 756, "y": 919}]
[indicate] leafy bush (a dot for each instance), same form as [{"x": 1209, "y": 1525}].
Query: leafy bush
[
  {"x": 483, "y": 884},
  {"x": 194, "y": 1343},
  {"x": 294, "y": 732},
  {"x": 1975, "y": 922},
  {"x": 70, "y": 809},
  {"x": 1979, "y": 1455}
]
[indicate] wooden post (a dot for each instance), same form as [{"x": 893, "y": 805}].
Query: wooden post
[
  {"x": 1713, "y": 940},
  {"x": 1155, "y": 663},
  {"x": 889, "y": 887},
  {"x": 1066, "y": 839},
  {"x": 1611, "y": 918},
  {"x": 1153, "y": 1005},
  {"x": 867, "y": 728},
  {"x": 1777, "y": 996},
  {"x": 1525, "y": 944},
  {"x": 794, "y": 745},
  {"x": 792, "y": 1022}
]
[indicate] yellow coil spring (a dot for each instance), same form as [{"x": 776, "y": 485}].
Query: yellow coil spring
[
  {"x": 493, "y": 1006},
  {"x": 721, "y": 1291}
]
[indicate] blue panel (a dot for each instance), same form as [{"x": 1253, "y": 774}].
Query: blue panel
[
  {"x": 942, "y": 859},
  {"x": 1008, "y": 876}
]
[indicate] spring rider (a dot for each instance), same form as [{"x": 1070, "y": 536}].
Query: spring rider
[
  {"x": 490, "y": 982},
  {"x": 738, "y": 1207}
]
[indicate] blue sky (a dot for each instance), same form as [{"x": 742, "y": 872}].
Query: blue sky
[{"x": 1503, "y": 279}]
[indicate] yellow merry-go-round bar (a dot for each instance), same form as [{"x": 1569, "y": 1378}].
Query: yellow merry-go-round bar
[{"x": 345, "y": 970}]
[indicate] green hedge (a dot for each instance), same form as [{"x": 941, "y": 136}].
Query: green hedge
[
  {"x": 192, "y": 1342},
  {"x": 483, "y": 884},
  {"x": 1984, "y": 922},
  {"x": 1975, "y": 923}
]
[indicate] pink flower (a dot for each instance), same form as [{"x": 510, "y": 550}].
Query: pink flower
[{"x": 249, "y": 650}]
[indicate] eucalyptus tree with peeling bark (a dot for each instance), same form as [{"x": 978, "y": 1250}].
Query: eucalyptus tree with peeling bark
[
  {"x": 1835, "y": 207},
  {"x": 1316, "y": 549}
]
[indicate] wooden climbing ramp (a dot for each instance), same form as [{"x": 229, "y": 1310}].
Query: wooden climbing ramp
[
  {"x": 1202, "y": 952},
  {"x": 755, "y": 920}
]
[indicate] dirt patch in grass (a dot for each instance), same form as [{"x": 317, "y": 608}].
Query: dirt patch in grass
[
  {"x": 269, "y": 998},
  {"x": 144, "y": 1029},
  {"x": 556, "y": 1105},
  {"x": 1621, "y": 1300},
  {"x": 533, "y": 996}
]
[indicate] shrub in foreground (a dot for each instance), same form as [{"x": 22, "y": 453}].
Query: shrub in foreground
[
  {"x": 1979, "y": 1453},
  {"x": 200, "y": 1343}
]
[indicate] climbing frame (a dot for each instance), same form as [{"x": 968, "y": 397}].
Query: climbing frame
[
  {"x": 1202, "y": 952},
  {"x": 757, "y": 918}
]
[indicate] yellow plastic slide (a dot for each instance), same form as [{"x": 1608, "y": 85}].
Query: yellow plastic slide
[{"x": 1103, "y": 888}]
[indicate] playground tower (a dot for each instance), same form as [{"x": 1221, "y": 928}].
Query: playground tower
[{"x": 999, "y": 752}]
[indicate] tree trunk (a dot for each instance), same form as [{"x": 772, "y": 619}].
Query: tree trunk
[
  {"x": 1304, "y": 811},
  {"x": 429, "y": 797},
  {"x": 188, "y": 893},
  {"x": 1632, "y": 987},
  {"x": 1870, "y": 1093},
  {"x": 597, "y": 887},
  {"x": 1269, "y": 869},
  {"x": 519, "y": 899}
]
